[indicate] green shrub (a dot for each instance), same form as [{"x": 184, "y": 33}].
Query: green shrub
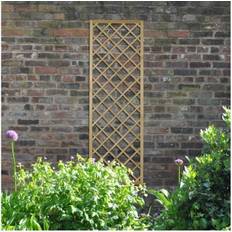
[
  {"x": 76, "y": 196},
  {"x": 203, "y": 199}
]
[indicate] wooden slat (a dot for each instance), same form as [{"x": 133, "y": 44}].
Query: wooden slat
[
  {"x": 90, "y": 88},
  {"x": 122, "y": 136}
]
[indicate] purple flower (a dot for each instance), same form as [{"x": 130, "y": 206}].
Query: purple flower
[
  {"x": 12, "y": 135},
  {"x": 179, "y": 162}
]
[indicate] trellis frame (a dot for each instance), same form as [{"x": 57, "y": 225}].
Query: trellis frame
[{"x": 141, "y": 110}]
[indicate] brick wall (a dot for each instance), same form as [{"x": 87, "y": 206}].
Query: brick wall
[{"x": 45, "y": 78}]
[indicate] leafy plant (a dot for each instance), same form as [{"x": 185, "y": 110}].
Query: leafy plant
[
  {"x": 203, "y": 199},
  {"x": 75, "y": 196}
]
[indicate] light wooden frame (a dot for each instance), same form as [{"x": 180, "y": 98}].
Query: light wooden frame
[{"x": 119, "y": 42}]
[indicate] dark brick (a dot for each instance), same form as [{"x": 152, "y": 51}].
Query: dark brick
[
  {"x": 70, "y": 85},
  {"x": 187, "y": 87},
  {"x": 179, "y": 130},
  {"x": 56, "y": 151},
  {"x": 51, "y": 92},
  {"x": 214, "y": 50},
  {"x": 209, "y": 72},
  {"x": 81, "y": 129},
  {"x": 222, "y": 34},
  {"x": 17, "y": 99},
  {"x": 83, "y": 136},
  {"x": 213, "y": 41},
  {"x": 39, "y": 128},
  {"x": 189, "y": 41},
  {"x": 226, "y": 72},
  {"x": 35, "y": 63},
  {"x": 6, "y": 56},
  {"x": 5, "y": 85},
  {"x": 199, "y": 65},
  {"x": 222, "y": 95},
  {"x": 202, "y": 34},
  {"x": 168, "y": 145},
  {"x": 28, "y": 107},
  {"x": 191, "y": 145},
  {"x": 80, "y": 78},
  {"x": 161, "y": 116},
  {"x": 28, "y": 122},
  {"x": 78, "y": 93},
  {"x": 44, "y": 78},
  {"x": 221, "y": 65},
  {"x": 26, "y": 143},
  {"x": 48, "y": 55},
  {"x": 211, "y": 57},
  {"x": 183, "y": 101},
  {"x": 58, "y": 63},
  {"x": 185, "y": 72},
  {"x": 214, "y": 87}
]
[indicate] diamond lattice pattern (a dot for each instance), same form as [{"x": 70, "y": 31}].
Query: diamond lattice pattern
[{"x": 116, "y": 109}]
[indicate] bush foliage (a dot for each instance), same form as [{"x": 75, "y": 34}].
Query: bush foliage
[
  {"x": 76, "y": 196},
  {"x": 203, "y": 199}
]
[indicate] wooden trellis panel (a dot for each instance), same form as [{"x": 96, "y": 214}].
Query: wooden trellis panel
[{"x": 116, "y": 93}]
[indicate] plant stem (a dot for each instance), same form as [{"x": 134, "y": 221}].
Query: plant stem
[
  {"x": 14, "y": 164},
  {"x": 179, "y": 174}
]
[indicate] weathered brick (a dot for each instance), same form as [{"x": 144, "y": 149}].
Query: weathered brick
[
  {"x": 45, "y": 70},
  {"x": 16, "y": 32},
  {"x": 183, "y": 101},
  {"x": 58, "y": 63},
  {"x": 179, "y": 130},
  {"x": 17, "y": 99},
  {"x": 83, "y": 136},
  {"x": 70, "y": 32},
  {"x": 188, "y": 86},
  {"x": 211, "y": 57},
  {"x": 78, "y": 93},
  {"x": 222, "y": 34},
  {"x": 161, "y": 116},
  {"x": 168, "y": 145},
  {"x": 49, "y": 55},
  {"x": 222, "y": 95},
  {"x": 51, "y": 92},
  {"x": 199, "y": 65},
  {"x": 191, "y": 145},
  {"x": 27, "y": 122},
  {"x": 185, "y": 72},
  {"x": 70, "y": 85},
  {"x": 80, "y": 78},
  {"x": 213, "y": 41},
  {"x": 221, "y": 65},
  {"x": 39, "y": 128},
  {"x": 178, "y": 34},
  {"x": 35, "y": 92},
  {"x": 26, "y": 143},
  {"x": 189, "y": 41},
  {"x": 45, "y": 75},
  {"x": 200, "y": 34}
]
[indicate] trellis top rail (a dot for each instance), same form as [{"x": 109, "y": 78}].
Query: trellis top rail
[{"x": 114, "y": 21}]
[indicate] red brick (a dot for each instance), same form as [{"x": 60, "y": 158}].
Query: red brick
[
  {"x": 7, "y": 8},
  {"x": 46, "y": 70},
  {"x": 35, "y": 92},
  {"x": 155, "y": 34},
  {"x": 59, "y": 16},
  {"x": 70, "y": 32},
  {"x": 178, "y": 34},
  {"x": 16, "y": 32},
  {"x": 69, "y": 78}
]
